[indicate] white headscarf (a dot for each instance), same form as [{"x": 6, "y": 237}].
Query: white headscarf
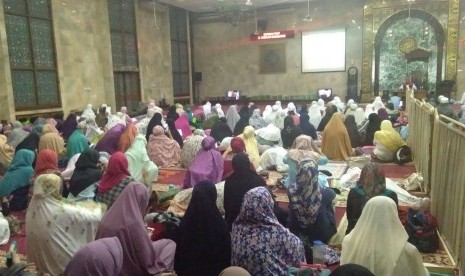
[
  {"x": 207, "y": 109},
  {"x": 369, "y": 109},
  {"x": 378, "y": 103},
  {"x": 444, "y": 100},
  {"x": 270, "y": 133},
  {"x": 291, "y": 107},
  {"x": 350, "y": 102},
  {"x": 66, "y": 174},
  {"x": 88, "y": 112},
  {"x": 359, "y": 116},
  {"x": 278, "y": 104},
  {"x": 270, "y": 118},
  {"x": 314, "y": 112},
  {"x": 219, "y": 110},
  {"x": 339, "y": 104},
  {"x": 321, "y": 105},
  {"x": 279, "y": 120},
  {"x": 232, "y": 116},
  {"x": 267, "y": 111}
]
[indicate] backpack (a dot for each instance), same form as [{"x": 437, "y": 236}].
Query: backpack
[{"x": 421, "y": 228}]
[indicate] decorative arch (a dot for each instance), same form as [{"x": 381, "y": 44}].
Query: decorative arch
[{"x": 418, "y": 14}]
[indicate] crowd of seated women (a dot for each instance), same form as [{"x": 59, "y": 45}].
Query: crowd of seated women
[{"x": 85, "y": 184}]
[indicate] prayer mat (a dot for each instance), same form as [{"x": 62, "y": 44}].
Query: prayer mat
[
  {"x": 337, "y": 169},
  {"x": 392, "y": 170},
  {"x": 171, "y": 176}
]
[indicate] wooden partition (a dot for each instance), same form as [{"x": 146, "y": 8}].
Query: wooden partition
[
  {"x": 448, "y": 184},
  {"x": 421, "y": 124}
]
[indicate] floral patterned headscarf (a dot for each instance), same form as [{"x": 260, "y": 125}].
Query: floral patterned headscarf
[
  {"x": 305, "y": 194},
  {"x": 372, "y": 180}
]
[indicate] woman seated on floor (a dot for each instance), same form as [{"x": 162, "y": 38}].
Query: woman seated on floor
[
  {"x": 140, "y": 166},
  {"x": 387, "y": 142},
  {"x": 192, "y": 145},
  {"x": 352, "y": 130},
  {"x": 237, "y": 146},
  {"x": 303, "y": 148},
  {"x": 220, "y": 130},
  {"x": 110, "y": 140},
  {"x": 372, "y": 182},
  {"x": 51, "y": 140},
  {"x": 6, "y": 152},
  {"x": 273, "y": 159},
  {"x": 128, "y": 136},
  {"x": 15, "y": 182},
  {"x": 251, "y": 147},
  {"x": 311, "y": 212},
  {"x": 379, "y": 242},
  {"x": 336, "y": 142},
  {"x": 289, "y": 132},
  {"x": 102, "y": 257},
  {"x": 114, "y": 180},
  {"x": 374, "y": 124},
  {"x": 207, "y": 165},
  {"x": 125, "y": 220},
  {"x": 77, "y": 142},
  {"x": 163, "y": 151},
  {"x": 55, "y": 228},
  {"x": 260, "y": 244},
  {"x": 203, "y": 245},
  {"x": 268, "y": 137},
  {"x": 85, "y": 178}
]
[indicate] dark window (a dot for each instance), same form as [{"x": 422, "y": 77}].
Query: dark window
[
  {"x": 179, "y": 51},
  {"x": 124, "y": 52},
  {"x": 31, "y": 48}
]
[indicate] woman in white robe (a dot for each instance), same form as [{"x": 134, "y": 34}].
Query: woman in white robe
[
  {"x": 56, "y": 228},
  {"x": 314, "y": 112}
]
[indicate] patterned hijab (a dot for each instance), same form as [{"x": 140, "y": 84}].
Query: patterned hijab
[
  {"x": 372, "y": 180},
  {"x": 304, "y": 148},
  {"x": 260, "y": 244},
  {"x": 305, "y": 194}
]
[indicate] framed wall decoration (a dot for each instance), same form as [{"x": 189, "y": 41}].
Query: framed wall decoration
[{"x": 273, "y": 58}]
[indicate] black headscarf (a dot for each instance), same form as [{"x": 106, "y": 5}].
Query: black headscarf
[
  {"x": 304, "y": 124},
  {"x": 354, "y": 135},
  {"x": 69, "y": 126},
  {"x": 203, "y": 246},
  {"x": 289, "y": 132},
  {"x": 374, "y": 124},
  {"x": 86, "y": 172},
  {"x": 171, "y": 117},
  {"x": 330, "y": 110},
  {"x": 352, "y": 270},
  {"x": 220, "y": 130},
  {"x": 245, "y": 115},
  {"x": 155, "y": 121},
  {"x": 237, "y": 184},
  {"x": 31, "y": 142}
]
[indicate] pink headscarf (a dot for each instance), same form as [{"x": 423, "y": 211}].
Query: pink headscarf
[
  {"x": 124, "y": 220},
  {"x": 182, "y": 123},
  {"x": 162, "y": 150},
  {"x": 207, "y": 165}
]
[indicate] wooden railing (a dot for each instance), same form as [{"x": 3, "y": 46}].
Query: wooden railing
[{"x": 438, "y": 146}]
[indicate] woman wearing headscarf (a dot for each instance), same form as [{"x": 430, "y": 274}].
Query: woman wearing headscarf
[
  {"x": 256, "y": 120},
  {"x": 220, "y": 130},
  {"x": 271, "y": 117},
  {"x": 207, "y": 165},
  {"x": 51, "y": 140},
  {"x": 382, "y": 114},
  {"x": 237, "y": 146},
  {"x": 211, "y": 119},
  {"x": 330, "y": 110},
  {"x": 69, "y": 126},
  {"x": 232, "y": 117},
  {"x": 245, "y": 114},
  {"x": 16, "y": 180},
  {"x": 304, "y": 123},
  {"x": 266, "y": 112},
  {"x": 77, "y": 142},
  {"x": 162, "y": 150},
  {"x": 32, "y": 141},
  {"x": 260, "y": 244},
  {"x": 109, "y": 142},
  {"x": 360, "y": 118},
  {"x": 155, "y": 121},
  {"x": 311, "y": 212},
  {"x": 182, "y": 123},
  {"x": 16, "y": 136},
  {"x": 70, "y": 167},
  {"x": 341, "y": 107},
  {"x": 289, "y": 132},
  {"x": 336, "y": 142},
  {"x": 242, "y": 179},
  {"x": 6, "y": 151},
  {"x": 377, "y": 103},
  {"x": 101, "y": 117},
  {"x": 303, "y": 149},
  {"x": 379, "y": 242},
  {"x": 171, "y": 118},
  {"x": 387, "y": 142},
  {"x": 350, "y": 110},
  {"x": 142, "y": 169},
  {"x": 103, "y": 257},
  {"x": 114, "y": 180},
  {"x": 38, "y": 125},
  {"x": 53, "y": 123},
  {"x": 128, "y": 136},
  {"x": 369, "y": 109},
  {"x": 267, "y": 137},
  {"x": 203, "y": 246},
  {"x": 191, "y": 147},
  {"x": 124, "y": 220},
  {"x": 47, "y": 162},
  {"x": 372, "y": 182},
  {"x": 374, "y": 124},
  {"x": 85, "y": 178},
  {"x": 251, "y": 147},
  {"x": 354, "y": 135},
  {"x": 314, "y": 114},
  {"x": 55, "y": 228}
]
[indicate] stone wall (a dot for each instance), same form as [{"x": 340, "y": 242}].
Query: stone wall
[
  {"x": 461, "y": 54},
  {"x": 6, "y": 91},
  {"x": 229, "y": 60}
]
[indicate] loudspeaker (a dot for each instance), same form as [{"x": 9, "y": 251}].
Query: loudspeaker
[{"x": 198, "y": 76}]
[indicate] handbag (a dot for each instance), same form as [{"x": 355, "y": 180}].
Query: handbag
[
  {"x": 309, "y": 270},
  {"x": 421, "y": 228}
]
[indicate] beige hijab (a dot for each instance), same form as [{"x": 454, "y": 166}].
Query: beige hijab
[
  {"x": 6, "y": 151},
  {"x": 51, "y": 140},
  {"x": 336, "y": 142}
]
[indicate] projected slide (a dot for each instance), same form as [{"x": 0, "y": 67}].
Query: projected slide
[{"x": 324, "y": 50}]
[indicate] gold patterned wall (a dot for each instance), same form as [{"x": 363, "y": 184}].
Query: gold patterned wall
[{"x": 376, "y": 12}]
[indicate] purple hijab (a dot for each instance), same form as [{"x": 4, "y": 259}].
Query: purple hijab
[
  {"x": 124, "y": 220},
  {"x": 69, "y": 126},
  {"x": 100, "y": 258},
  {"x": 109, "y": 142},
  {"x": 207, "y": 165},
  {"x": 382, "y": 114}
]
